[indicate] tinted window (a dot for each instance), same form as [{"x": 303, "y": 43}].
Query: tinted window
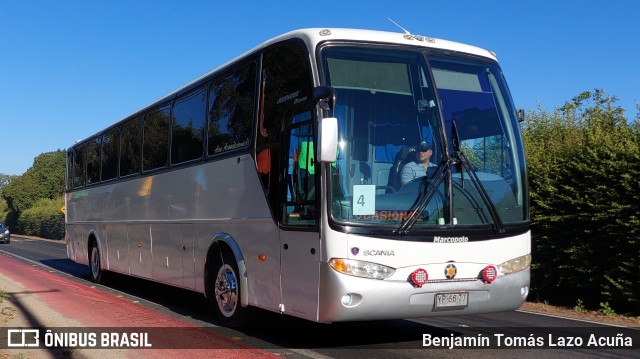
[
  {"x": 285, "y": 82},
  {"x": 189, "y": 114},
  {"x": 80, "y": 154},
  {"x": 286, "y": 77},
  {"x": 231, "y": 109},
  {"x": 156, "y": 139},
  {"x": 109, "y": 155},
  {"x": 130, "y": 148},
  {"x": 70, "y": 165},
  {"x": 93, "y": 161}
]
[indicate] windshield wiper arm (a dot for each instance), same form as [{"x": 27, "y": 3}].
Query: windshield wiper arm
[
  {"x": 461, "y": 159},
  {"x": 428, "y": 190}
]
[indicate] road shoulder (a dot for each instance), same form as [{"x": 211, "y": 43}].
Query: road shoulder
[{"x": 585, "y": 315}]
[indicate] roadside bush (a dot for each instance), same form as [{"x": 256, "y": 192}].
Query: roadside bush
[
  {"x": 584, "y": 175},
  {"x": 44, "y": 219}
]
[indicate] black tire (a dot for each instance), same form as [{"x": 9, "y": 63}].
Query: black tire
[
  {"x": 223, "y": 291},
  {"x": 95, "y": 265}
]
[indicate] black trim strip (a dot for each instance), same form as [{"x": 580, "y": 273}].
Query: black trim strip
[{"x": 474, "y": 233}]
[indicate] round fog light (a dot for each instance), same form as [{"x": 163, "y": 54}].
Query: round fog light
[
  {"x": 351, "y": 300},
  {"x": 489, "y": 274},
  {"x": 419, "y": 277},
  {"x": 524, "y": 291}
]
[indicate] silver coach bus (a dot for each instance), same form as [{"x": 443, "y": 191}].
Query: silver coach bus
[{"x": 327, "y": 174}]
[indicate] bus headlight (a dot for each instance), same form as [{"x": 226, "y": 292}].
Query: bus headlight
[
  {"x": 515, "y": 265},
  {"x": 361, "y": 268}
]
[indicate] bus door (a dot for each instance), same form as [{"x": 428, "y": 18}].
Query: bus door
[{"x": 299, "y": 235}]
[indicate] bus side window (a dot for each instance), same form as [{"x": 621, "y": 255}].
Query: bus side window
[
  {"x": 130, "y": 142},
  {"x": 187, "y": 134},
  {"x": 70, "y": 166},
  {"x": 109, "y": 155},
  {"x": 231, "y": 110},
  {"x": 155, "y": 139},
  {"x": 93, "y": 160},
  {"x": 79, "y": 169}
]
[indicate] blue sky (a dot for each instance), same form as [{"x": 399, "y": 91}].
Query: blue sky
[{"x": 69, "y": 68}]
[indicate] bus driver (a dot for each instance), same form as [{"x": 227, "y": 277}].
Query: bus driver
[{"x": 418, "y": 167}]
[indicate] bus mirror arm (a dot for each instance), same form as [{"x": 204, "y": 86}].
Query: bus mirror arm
[{"x": 325, "y": 97}]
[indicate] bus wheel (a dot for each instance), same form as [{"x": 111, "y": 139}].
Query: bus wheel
[
  {"x": 224, "y": 291},
  {"x": 94, "y": 263}
]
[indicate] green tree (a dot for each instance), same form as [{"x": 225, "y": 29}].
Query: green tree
[
  {"x": 45, "y": 179},
  {"x": 5, "y": 180},
  {"x": 4, "y": 208}
]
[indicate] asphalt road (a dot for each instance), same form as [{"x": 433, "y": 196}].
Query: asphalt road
[{"x": 521, "y": 334}]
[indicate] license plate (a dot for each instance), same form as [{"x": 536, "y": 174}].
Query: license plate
[{"x": 445, "y": 301}]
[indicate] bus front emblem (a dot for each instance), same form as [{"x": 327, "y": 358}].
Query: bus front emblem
[{"x": 450, "y": 271}]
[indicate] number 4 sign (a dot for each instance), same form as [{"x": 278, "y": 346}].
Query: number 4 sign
[{"x": 364, "y": 200}]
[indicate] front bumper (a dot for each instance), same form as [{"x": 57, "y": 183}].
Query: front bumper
[{"x": 373, "y": 299}]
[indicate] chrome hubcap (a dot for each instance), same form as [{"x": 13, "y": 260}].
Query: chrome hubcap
[
  {"x": 226, "y": 290},
  {"x": 95, "y": 262}
]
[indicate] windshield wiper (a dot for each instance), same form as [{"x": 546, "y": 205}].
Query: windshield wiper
[
  {"x": 461, "y": 159},
  {"x": 428, "y": 189}
]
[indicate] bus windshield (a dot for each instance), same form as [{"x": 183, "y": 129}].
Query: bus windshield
[{"x": 396, "y": 111}]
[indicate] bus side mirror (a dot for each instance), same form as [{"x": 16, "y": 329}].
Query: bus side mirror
[
  {"x": 325, "y": 97},
  {"x": 328, "y": 138},
  {"x": 520, "y": 114}
]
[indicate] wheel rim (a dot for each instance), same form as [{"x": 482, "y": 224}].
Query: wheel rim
[
  {"x": 95, "y": 262},
  {"x": 226, "y": 290}
]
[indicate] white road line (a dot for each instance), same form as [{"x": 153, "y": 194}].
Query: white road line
[{"x": 309, "y": 353}]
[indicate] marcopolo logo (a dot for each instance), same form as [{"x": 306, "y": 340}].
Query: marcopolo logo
[{"x": 461, "y": 239}]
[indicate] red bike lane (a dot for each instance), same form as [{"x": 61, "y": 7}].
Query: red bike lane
[{"x": 95, "y": 309}]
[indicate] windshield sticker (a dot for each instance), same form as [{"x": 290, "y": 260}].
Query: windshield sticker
[
  {"x": 364, "y": 200},
  {"x": 387, "y": 215}
]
